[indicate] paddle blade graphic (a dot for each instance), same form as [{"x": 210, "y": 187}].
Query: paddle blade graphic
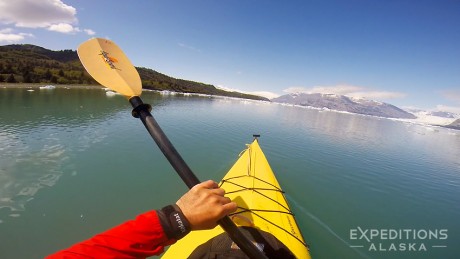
[{"x": 109, "y": 66}]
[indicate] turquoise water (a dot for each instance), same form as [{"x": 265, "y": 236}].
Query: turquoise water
[{"x": 73, "y": 162}]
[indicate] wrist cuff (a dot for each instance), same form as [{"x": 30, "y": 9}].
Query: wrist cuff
[{"x": 173, "y": 221}]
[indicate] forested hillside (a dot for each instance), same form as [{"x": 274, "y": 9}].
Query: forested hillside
[{"x": 34, "y": 64}]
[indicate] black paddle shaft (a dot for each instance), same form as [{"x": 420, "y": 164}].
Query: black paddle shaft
[{"x": 142, "y": 111}]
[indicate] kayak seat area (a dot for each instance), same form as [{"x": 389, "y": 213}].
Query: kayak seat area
[{"x": 222, "y": 246}]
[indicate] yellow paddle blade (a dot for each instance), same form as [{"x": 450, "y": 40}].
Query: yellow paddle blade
[{"x": 109, "y": 66}]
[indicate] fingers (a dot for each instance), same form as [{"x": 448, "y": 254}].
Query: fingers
[
  {"x": 218, "y": 191},
  {"x": 209, "y": 184},
  {"x": 223, "y": 200},
  {"x": 229, "y": 207},
  {"x": 205, "y": 204}
]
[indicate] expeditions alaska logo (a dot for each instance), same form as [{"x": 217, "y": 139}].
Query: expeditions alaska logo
[
  {"x": 398, "y": 240},
  {"x": 108, "y": 59}
]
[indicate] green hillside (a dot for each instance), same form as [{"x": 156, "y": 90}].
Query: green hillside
[{"x": 33, "y": 64}]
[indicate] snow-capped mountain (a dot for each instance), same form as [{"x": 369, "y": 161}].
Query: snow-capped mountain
[
  {"x": 454, "y": 125},
  {"x": 442, "y": 114},
  {"x": 434, "y": 117},
  {"x": 344, "y": 103}
]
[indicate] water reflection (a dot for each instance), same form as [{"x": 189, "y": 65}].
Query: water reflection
[
  {"x": 339, "y": 126},
  {"x": 40, "y": 132},
  {"x": 62, "y": 107},
  {"x": 372, "y": 132}
]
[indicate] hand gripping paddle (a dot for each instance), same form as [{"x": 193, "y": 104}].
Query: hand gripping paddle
[{"x": 109, "y": 66}]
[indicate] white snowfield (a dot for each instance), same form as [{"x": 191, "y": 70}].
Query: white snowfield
[{"x": 424, "y": 118}]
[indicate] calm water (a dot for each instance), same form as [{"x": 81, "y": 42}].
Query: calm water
[{"x": 74, "y": 163}]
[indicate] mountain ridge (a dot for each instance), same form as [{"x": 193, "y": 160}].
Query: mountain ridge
[
  {"x": 26, "y": 63},
  {"x": 453, "y": 125},
  {"x": 345, "y": 103}
]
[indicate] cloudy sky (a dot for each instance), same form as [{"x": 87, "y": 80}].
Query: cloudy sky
[{"x": 402, "y": 52}]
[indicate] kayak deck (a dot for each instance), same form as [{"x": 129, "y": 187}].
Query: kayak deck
[{"x": 252, "y": 184}]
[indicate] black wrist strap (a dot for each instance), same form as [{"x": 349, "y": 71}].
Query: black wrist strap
[{"x": 173, "y": 221}]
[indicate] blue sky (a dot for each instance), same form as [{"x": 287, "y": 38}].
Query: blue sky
[{"x": 405, "y": 53}]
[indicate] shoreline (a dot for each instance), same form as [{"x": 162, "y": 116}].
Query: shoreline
[
  {"x": 418, "y": 121},
  {"x": 38, "y": 85},
  {"x": 421, "y": 121}
]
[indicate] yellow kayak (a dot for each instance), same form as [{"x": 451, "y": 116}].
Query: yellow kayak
[{"x": 252, "y": 184}]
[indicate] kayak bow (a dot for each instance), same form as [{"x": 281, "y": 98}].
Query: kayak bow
[{"x": 252, "y": 184}]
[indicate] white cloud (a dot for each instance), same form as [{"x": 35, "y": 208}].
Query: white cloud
[
  {"x": 6, "y": 30},
  {"x": 36, "y": 14},
  {"x": 228, "y": 89},
  {"x": 348, "y": 90},
  {"x": 445, "y": 108},
  {"x": 89, "y": 32},
  {"x": 453, "y": 95},
  {"x": 337, "y": 89},
  {"x": 8, "y": 36},
  {"x": 182, "y": 45},
  {"x": 377, "y": 95},
  {"x": 53, "y": 15},
  {"x": 265, "y": 94},
  {"x": 64, "y": 28}
]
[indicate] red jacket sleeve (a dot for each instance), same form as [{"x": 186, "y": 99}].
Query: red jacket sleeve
[{"x": 138, "y": 238}]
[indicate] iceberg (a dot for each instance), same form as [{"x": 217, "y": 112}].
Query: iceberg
[{"x": 48, "y": 87}]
